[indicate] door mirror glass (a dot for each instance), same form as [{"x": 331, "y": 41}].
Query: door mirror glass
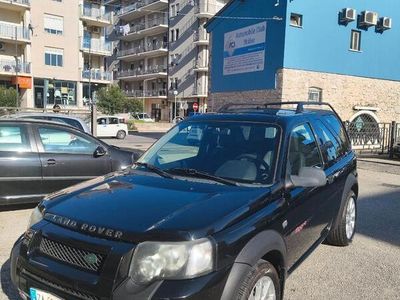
[
  {"x": 309, "y": 177},
  {"x": 100, "y": 151}
]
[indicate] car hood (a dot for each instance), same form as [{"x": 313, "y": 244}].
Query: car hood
[{"x": 140, "y": 206}]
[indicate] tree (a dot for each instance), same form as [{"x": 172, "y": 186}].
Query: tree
[
  {"x": 8, "y": 97},
  {"x": 112, "y": 100}
]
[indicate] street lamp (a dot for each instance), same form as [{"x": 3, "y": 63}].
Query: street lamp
[{"x": 175, "y": 94}]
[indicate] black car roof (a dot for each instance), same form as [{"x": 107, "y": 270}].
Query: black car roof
[{"x": 36, "y": 121}]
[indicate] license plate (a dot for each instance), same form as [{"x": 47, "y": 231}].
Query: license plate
[{"x": 41, "y": 295}]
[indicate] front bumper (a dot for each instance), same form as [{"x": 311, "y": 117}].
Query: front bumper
[{"x": 29, "y": 271}]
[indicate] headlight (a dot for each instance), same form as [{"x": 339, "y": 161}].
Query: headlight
[
  {"x": 36, "y": 217},
  {"x": 172, "y": 260}
]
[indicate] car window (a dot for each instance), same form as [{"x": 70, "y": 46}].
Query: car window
[
  {"x": 336, "y": 125},
  {"x": 102, "y": 121},
  {"x": 244, "y": 152},
  {"x": 330, "y": 147},
  {"x": 71, "y": 122},
  {"x": 62, "y": 141},
  {"x": 14, "y": 138},
  {"x": 113, "y": 121},
  {"x": 303, "y": 150}
]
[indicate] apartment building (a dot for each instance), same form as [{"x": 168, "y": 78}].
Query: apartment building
[
  {"x": 189, "y": 53},
  {"x": 163, "y": 53},
  {"x": 61, "y": 50},
  {"x": 15, "y": 46}
]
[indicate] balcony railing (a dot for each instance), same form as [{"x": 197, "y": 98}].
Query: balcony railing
[
  {"x": 95, "y": 13},
  {"x": 23, "y": 2},
  {"x": 135, "y": 6},
  {"x": 14, "y": 31},
  {"x": 141, "y": 49},
  {"x": 10, "y": 66},
  {"x": 137, "y": 72},
  {"x": 148, "y": 93},
  {"x": 97, "y": 75},
  {"x": 142, "y": 26},
  {"x": 96, "y": 45},
  {"x": 205, "y": 7}
]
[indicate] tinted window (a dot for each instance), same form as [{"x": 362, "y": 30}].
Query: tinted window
[
  {"x": 113, "y": 121},
  {"x": 336, "y": 125},
  {"x": 331, "y": 149},
  {"x": 71, "y": 122},
  {"x": 14, "y": 138},
  {"x": 303, "y": 150},
  {"x": 102, "y": 121},
  {"x": 61, "y": 141}
]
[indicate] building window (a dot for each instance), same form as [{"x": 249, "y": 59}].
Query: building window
[
  {"x": 176, "y": 34},
  {"x": 355, "y": 43},
  {"x": 315, "y": 94},
  {"x": 53, "y": 24},
  {"x": 172, "y": 38},
  {"x": 177, "y": 9},
  {"x": 173, "y": 11},
  {"x": 296, "y": 20},
  {"x": 53, "y": 57}
]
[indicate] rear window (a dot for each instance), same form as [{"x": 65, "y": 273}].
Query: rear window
[
  {"x": 336, "y": 126},
  {"x": 14, "y": 138},
  {"x": 68, "y": 121}
]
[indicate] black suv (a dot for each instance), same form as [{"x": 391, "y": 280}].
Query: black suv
[{"x": 224, "y": 206}]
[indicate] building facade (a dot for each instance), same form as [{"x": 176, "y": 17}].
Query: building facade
[
  {"x": 341, "y": 52},
  {"x": 62, "y": 51},
  {"x": 163, "y": 53},
  {"x": 15, "y": 46}
]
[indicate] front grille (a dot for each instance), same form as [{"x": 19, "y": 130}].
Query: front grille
[
  {"x": 56, "y": 286},
  {"x": 71, "y": 255}
]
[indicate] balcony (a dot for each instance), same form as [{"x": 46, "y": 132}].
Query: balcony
[
  {"x": 160, "y": 94},
  {"x": 95, "y": 16},
  {"x": 152, "y": 27},
  {"x": 15, "y": 5},
  {"x": 96, "y": 47},
  {"x": 96, "y": 76},
  {"x": 150, "y": 50},
  {"x": 155, "y": 71},
  {"x": 9, "y": 67},
  {"x": 141, "y": 8},
  {"x": 200, "y": 38},
  {"x": 14, "y": 33},
  {"x": 199, "y": 91},
  {"x": 206, "y": 9},
  {"x": 200, "y": 65}
]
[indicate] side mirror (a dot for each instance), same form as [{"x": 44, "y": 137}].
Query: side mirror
[
  {"x": 100, "y": 151},
  {"x": 309, "y": 177}
]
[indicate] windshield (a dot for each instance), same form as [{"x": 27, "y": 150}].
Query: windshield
[{"x": 242, "y": 152}]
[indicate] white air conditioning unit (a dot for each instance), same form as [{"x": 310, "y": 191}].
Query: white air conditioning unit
[
  {"x": 369, "y": 18},
  {"x": 349, "y": 15},
  {"x": 96, "y": 29},
  {"x": 385, "y": 23}
]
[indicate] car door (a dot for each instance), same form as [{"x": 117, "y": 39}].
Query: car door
[
  {"x": 21, "y": 171},
  {"x": 102, "y": 127},
  {"x": 302, "y": 228},
  {"x": 67, "y": 156}
]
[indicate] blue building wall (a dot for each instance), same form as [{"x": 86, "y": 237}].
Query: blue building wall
[
  {"x": 323, "y": 45},
  {"x": 274, "y": 50}
]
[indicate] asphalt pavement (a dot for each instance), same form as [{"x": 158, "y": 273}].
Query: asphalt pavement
[{"x": 367, "y": 269}]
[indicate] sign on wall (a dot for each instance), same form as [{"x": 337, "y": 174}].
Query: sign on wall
[{"x": 244, "y": 49}]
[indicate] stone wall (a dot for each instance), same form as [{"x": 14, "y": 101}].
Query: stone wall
[{"x": 342, "y": 91}]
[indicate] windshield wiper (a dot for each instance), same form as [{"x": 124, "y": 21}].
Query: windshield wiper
[
  {"x": 154, "y": 169},
  {"x": 200, "y": 174}
]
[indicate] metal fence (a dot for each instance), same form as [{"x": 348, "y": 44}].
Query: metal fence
[{"x": 372, "y": 137}]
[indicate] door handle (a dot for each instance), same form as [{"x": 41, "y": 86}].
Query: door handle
[{"x": 51, "y": 162}]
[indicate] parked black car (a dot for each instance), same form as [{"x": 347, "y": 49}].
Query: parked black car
[
  {"x": 225, "y": 214},
  {"x": 39, "y": 157}
]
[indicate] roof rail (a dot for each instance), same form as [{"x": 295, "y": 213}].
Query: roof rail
[{"x": 299, "y": 107}]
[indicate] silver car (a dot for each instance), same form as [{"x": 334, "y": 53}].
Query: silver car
[{"x": 56, "y": 117}]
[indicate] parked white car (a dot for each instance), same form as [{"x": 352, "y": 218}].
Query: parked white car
[
  {"x": 111, "y": 126},
  {"x": 143, "y": 117}
]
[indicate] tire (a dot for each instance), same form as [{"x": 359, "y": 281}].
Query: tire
[
  {"x": 121, "y": 134},
  {"x": 263, "y": 272},
  {"x": 340, "y": 236}
]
